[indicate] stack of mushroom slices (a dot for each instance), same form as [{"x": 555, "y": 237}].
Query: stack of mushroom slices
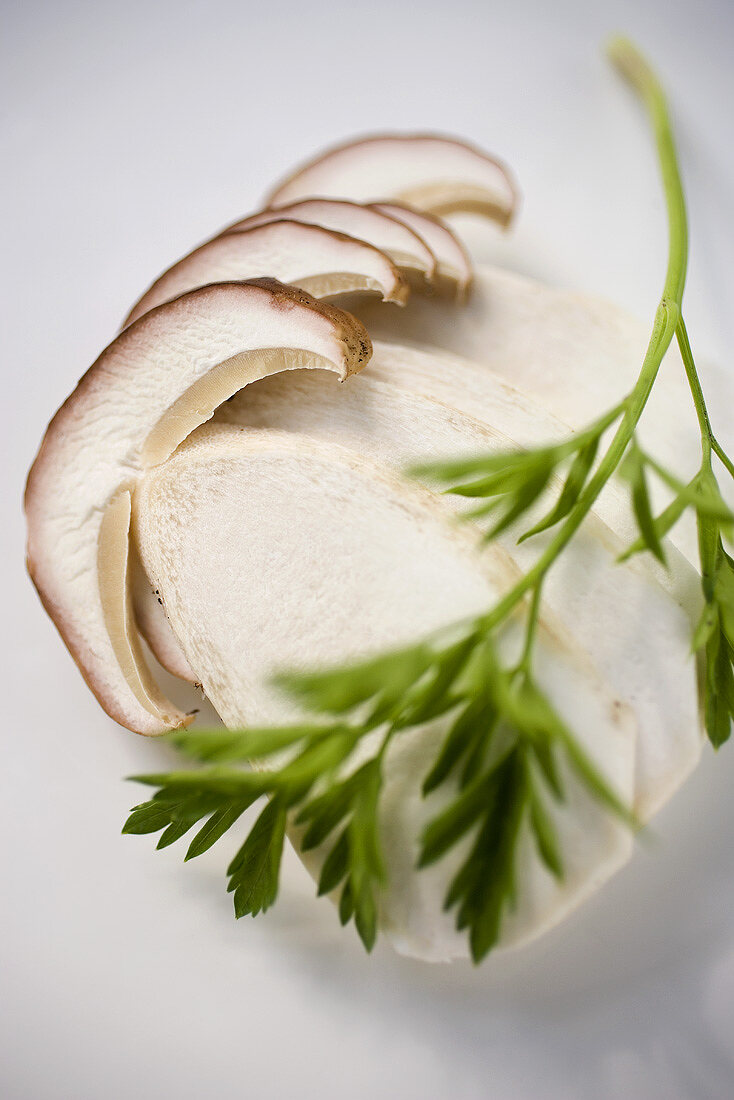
[{"x": 212, "y": 489}]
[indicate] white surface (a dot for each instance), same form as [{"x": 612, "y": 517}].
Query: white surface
[{"x": 129, "y": 133}]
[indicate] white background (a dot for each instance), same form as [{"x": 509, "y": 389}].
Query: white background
[{"x": 129, "y": 132}]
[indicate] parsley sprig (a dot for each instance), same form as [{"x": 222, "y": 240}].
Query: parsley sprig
[
  {"x": 501, "y": 760},
  {"x": 500, "y": 757}
]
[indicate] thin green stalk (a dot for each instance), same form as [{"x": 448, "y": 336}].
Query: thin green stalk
[
  {"x": 632, "y": 64},
  {"x": 722, "y": 456},
  {"x": 709, "y": 442},
  {"x": 531, "y": 628},
  {"x": 635, "y": 68},
  {"x": 694, "y": 384}
]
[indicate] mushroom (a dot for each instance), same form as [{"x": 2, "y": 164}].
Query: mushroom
[
  {"x": 671, "y": 742},
  {"x": 239, "y": 523},
  {"x": 577, "y": 355},
  {"x": 163, "y": 376},
  {"x": 439, "y": 175},
  {"x": 644, "y": 650},
  {"x": 152, "y": 623},
  {"x": 317, "y": 260},
  {"x": 402, "y": 243},
  {"x": 453, "y": 264}
]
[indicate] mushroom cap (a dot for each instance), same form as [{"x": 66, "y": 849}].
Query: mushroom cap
[
  {"x": 320, "y": 261},
  {"x": 441, "y": 175},
  {"x": 163, "y": 376}
]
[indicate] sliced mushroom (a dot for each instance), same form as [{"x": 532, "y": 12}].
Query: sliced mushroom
[
  {"x": 159, "y": 379},
  {"x": 643, "y": 650},
  {"x": 453, "y": 265},
  {"x": 405, "y": 247},
  {"x": 648, "y": 612},
  {"x": 575, "y": 354},
  {"x": 354, "y": 560},
  {"x": 152, "y": 622},
  {"x": 440, "y": 175},
  {"x": 317, "y": 260}
]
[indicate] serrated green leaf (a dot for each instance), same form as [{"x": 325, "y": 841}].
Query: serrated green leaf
[
  {"x": 719, "y": 694},
  {"x": 664, "y": 523},
  {"x": 215, "y": 828},
  {"x": 313, "y": 763},
  {"x": 543, "y": 754},
  {"x": 719, "y": 689},
  {"x": 255, "y": 869},
  {"x": 148, "y": 817},
  {"x": 461, "y": 886},
  {"x": 633, "y": 470},
  {"x": 485, "y": 882},
  {"x": 324, "y": 812},
  {"x": 172, "y": 813},
  {"x": 365, "y": 917},
  {"x": 470, "y": 724},
  {"x": 501, "y": 483},
  {"x": 174, "y": 832},
  {"x": 498, "y": 463},
  {"x": 335, "y": 865},
  {"x": 702, "y": 493},
  {"x": 705, "y": 627},
  {"x": 237, "y": 746},
  {"x": 593, "y": 780},
  {"x": 724, "y": 593},
  {"x": 476, "y": 756},
  {"x": 432, "y": 697},
  {"x": 337, "y": 691},
  {"x": 574, "y": 483},
  {"x": 544, "y": 725},
  {"x": 224, "y": 782},
  {"x": 546, "y": 838},
  {"x": 522, "y": 500},
  {"x": 364, "y": 842},
  {"x": 443, "y": 832},
  {"x": 346, "y": 903}
]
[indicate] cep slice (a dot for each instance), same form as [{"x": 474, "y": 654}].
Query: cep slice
[
  {"x": 320, "y": 261},
  {"x": 634, "y": 620},
  {"x": 159, "y": 379},
  {"x": 648, "y": 612},
  {"x": 273, "y": 551},
  {"x": 577, "y": 355},
  {"x": 405, "y": 247},
  {"x": 440, "y": 175},
  {"x": 152, "y": 622},
  {"x": 453, "y": 266}
]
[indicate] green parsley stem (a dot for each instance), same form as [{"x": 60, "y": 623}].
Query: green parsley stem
[
  {"x": 709, "y": 442},
  {"x": 636, "y": 69}
]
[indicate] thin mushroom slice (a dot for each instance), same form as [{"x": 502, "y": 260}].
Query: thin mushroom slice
[
  {"x": 670, "y": 746},
  {"x": 453, "y": 265},
  {"x": 633, "y": 619},
  {"x": 153, "y": 625},
  {"x": 323, "y": 262},
  {"x": 403, "y": 244},
  {"x": 353, "y": 561},
  {"x": 575, "y": 354},
  {"x": 440, "y": 175},
  {"x": 648, "y": 612},
  {"x": 161, "y": 378}
]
